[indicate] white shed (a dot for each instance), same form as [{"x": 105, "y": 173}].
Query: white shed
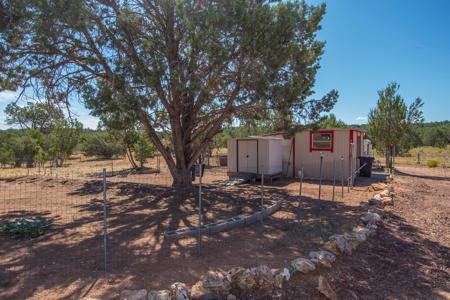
[{"x": 255, "y": 155}]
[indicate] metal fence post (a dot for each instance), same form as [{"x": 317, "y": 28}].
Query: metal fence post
[
  {"x": 300, "y": 175},
  {"x": 334, "y": 177},
  {"x": 320, "y": 171},
  {"x": 342, "y": 177},
  {"x": 262, "y": 200},
  {"x": 200, "y": 175},
  {"x": 105, "y": 223}
]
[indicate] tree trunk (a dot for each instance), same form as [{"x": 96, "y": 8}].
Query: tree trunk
[
  {"x": 182, "y": 179},
  {"x": 130, "y": 158},
  {"x": 388, "y": 158}
]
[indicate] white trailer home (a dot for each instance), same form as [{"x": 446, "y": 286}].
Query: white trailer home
[
  {"x": 255, "y": 155},
  {"x": 338, "y": 147}
]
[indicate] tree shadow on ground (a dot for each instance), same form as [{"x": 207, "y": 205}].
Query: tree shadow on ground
[
  {"x": 70, "y": 259},
  {"x": 388, "y": 266}
]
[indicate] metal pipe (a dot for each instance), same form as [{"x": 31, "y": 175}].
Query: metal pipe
[
  {"x": 300, "y": 175},
  {"x": 200, "y": 174},
  {"x": 105, "y": 223},
  {"x": 334, "y": 177},
  {"x": 320, "y": 171},
  {"x": 342, "y": 176}
]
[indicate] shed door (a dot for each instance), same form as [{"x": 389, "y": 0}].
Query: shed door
[{"x": 248, "y": 156}]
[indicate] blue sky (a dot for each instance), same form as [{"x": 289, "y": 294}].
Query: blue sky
[{"x": 369, "y": 44}]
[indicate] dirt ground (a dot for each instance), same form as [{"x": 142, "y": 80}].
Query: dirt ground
[
  {"x": 407, "y": 259},
  {"x": 67, "y": 262}
]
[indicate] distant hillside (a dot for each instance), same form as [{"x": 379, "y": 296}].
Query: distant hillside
[{"x": 435, "y": 134}]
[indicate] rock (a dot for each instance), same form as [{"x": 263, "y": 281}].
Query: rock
[
  {"x": 352, "y": 241},
  {"x": 281, "y": 277},
  {"x": 303, "y": 265},
  {"x": 360, "y": 234},
  {"x": 377, "y": 186},
  {"x": 241, "y": 278},
  {"x": 263, "y": 276},
  {"x": 377, "y": 197},
  {"x": 159, "y": 295},
  {"x": 323, "y": 257},
  {"x": 372, "y": 229},
  {"x": 217, "y": 282},
  {"x": 361, "y": 229},
  {"x": 387, "y": 201},
  {"x": 376, "y": 210},
  {"x": 286, "y": 274},
  {"x": 371, "y": 218},
  {"x": 178, "y": 291},
  {"x": 374, "y": 201},
  {"x": 326, "y": 289},
  {"x": 231, "y": 297},
  {"x": 338, "y": 244},
  {"x": 133, "y": 295},
  {"x": 199, "y": 292},
  {"x": 385, "y": 193}
]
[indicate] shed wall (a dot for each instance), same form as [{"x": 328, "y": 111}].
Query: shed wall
[
  {"x": 310, "y": 160},
  {"x": 270, "y": 153}
]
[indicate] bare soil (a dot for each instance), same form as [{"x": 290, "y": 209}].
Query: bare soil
[
  {"x": 67, "y": 262},
  {"x": 407, "y": 259}
]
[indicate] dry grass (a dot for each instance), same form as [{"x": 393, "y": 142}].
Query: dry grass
[{"x": 442, "y": 155}]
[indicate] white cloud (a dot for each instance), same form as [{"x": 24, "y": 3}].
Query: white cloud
[
  {"x": 8, "y": 96},
  {"x": 361, "y": 119}
]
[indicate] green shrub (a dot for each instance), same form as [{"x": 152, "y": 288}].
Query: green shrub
[
  {"x": 102, "y": 145},
  {"x": 25, "y": 228},
  {"x": 432, "y": 163}
]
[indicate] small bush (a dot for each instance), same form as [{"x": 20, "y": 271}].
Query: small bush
[
  {"x": 25, "y": 228},
  {"x": 432, "y": 163}
]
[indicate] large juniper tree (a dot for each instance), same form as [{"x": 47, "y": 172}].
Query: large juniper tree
[{"x": 180, "y": 68}]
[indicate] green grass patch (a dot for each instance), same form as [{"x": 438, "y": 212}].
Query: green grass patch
[
  {"x": 25, "y": 228},
  {"x": 432, "y": 163}
]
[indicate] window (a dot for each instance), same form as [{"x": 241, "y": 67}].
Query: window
[{"x": 321, "y": 141}]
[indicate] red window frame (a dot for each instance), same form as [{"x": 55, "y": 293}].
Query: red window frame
[{"x": 311, "y": 133}]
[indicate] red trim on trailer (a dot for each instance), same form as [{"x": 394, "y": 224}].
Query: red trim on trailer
[{"x": 311, "y": 148}]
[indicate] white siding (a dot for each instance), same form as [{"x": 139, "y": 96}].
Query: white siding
[
  {"x": 268, "y": 160},
  {"x": 310, "y": 160}
]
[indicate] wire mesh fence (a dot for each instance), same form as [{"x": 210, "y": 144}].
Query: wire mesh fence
[
  {"x": 140, "y": 207},
  {"x": 106, "y": 216}
]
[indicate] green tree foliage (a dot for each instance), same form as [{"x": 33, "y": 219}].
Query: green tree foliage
[
  {"x": 25, "y": 146},
  {"x": 41, "y": 156},
  {"x": 330, "y": 121},
  {"x": 180, "y": 68},
  {"x": 220, "y": 140},
  {"x": 143, "y": 148},
  {"x": 34, "y": 115},
  {"x": 102, "y": 145},
  {"x": 436, "y": 137},
  {"x": 62, "y": 140},
  {"x": 7, "y": 155},
  {"x": 391, "y": 122}
]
